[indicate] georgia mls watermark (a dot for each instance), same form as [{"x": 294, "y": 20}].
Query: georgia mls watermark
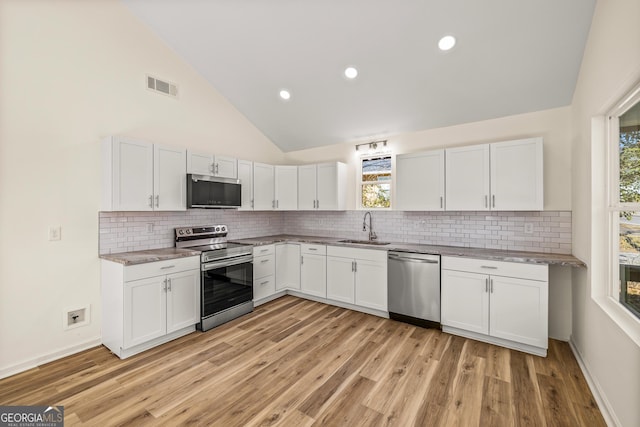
[{"x": 31, "y": 416}]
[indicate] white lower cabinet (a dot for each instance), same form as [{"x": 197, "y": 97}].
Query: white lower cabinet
[
  {"x": 288, "y": 266},
  {"x": 504, "y": 303},
  {"x": 313, "y": 270},
  {"x": 146, "y": 305},
  {"x": 357, "y": 276},
  {"x": 264, "y": 273}
]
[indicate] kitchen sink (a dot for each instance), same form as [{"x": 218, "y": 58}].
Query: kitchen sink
[{"x": 364, "y": 242}]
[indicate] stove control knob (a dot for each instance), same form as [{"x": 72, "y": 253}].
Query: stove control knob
[
  {"x": 188, "y": 231},
  {"x": 217, "y": 228},
  {"x": 180, "y": 232},
  {"x": 223, "y": 228}
]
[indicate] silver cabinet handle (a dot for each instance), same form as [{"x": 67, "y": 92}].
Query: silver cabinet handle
[
  {"x": 273, "y": 204},
  {"x": 264, "y": 283},
  {"x": 301, "y": 260},
  {"x": 217, "y": 168},
  {"x": 314, "y": 204},
  {"x": 313, "y": 249},
  {"x": 167, "y": 267},
  {"x": 169, "y": 283},
  {"x": 493, "y": 198},
  {"x": 441, "y": 202},
  {"x": 157, "y": 201},
  {"x": 355, "y": 266},
  {"x": 352, "y": 266},
  {"x": 164, "y": 285},
  {"x": 263, "y": 261},
  {"x": 486, "y": 285},
  {"x": 491, "y": 285},
  {"x": 486, "y": 201},
  {"x": 490, "y": 267},
  {"x": 212, "y": 167},
  {"x": 252, "y": 203},
  {"x": 318, "y": 204},
  {"x": 150, "y": 201}
]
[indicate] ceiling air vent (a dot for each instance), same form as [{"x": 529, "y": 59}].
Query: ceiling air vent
[{"x": 161, "y": 86}]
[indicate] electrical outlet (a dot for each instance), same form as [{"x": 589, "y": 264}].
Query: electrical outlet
[
  {"x": 55, "y": 233},
  {"x": 528, "y": 228}
]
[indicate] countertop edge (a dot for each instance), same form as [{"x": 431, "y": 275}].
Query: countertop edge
[{"x": 147, "y": 256}]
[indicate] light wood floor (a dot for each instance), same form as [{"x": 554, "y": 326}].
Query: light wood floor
[{"x": 294, "y": 362}]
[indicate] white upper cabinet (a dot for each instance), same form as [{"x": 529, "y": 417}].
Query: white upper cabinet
[
  {"x": 420, "y": 179},
  {"x": 322, "y": 186},
  {"x": 169, "y": 179},
  {"x": 141, "y": 176},
  {"x": 307, "y": 182},
  {"x": 517, "y": 175},
  {"x": 263, "y": 195},
  {"x": 211, "y": 165},
  {"x": 467, "y": 178},
  {"x": 245, "y": 175},
  {"x": 286, "y": 188},
  {"x": 499, "y": 176}
]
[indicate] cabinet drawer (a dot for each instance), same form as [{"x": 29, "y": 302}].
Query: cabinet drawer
[
  {"x": 264, "y": 287},
  {"x": 310, "y": 249},
  {"x": 356, "y": 253},
  {"x": 497, "y": 268},
  {"x": 159, "y": 268},
  {"x": 263, "y": 250},
  {"x": 264, "y": 266}
]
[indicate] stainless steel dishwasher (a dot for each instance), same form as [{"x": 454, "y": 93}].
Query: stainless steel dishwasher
[{"x": 414, "y": 288}]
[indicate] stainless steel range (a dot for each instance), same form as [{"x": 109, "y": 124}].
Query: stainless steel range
[{"x": 226, "y": 274}]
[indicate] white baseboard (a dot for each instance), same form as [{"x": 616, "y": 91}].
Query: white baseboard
[
  {"x": 49, "y": 357},
  {"x": 598, "y": 394}
]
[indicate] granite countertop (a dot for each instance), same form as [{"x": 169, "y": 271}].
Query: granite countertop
[
  {"x": 151, "y": 255},
  {"x": 489, "y": 254}
]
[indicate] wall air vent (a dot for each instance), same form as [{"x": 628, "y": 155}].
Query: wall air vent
[{"x": 162, "y": 86}]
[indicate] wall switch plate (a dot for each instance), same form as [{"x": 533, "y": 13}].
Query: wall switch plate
[
  {"x": 528, "y": 228},
  {"x": 55, "y": 233}
]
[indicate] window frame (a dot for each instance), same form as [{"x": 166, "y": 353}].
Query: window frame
[
  {"x": 613, "y": 287},
  {"x": 360, "y": 183}
]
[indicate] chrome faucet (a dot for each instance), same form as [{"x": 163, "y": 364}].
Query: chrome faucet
[{"x": 372, "y": 234}]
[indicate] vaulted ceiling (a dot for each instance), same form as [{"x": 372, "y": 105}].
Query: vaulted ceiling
[{"x": 511, "y": 57}]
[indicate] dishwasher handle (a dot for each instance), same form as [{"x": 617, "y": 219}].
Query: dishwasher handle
[{"x": 412, "y": 259}]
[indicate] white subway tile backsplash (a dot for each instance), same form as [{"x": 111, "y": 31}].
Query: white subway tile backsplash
[{"x": 127, "y": 231}]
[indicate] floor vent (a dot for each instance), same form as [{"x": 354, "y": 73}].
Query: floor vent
[{"x": 161, "y": 86}]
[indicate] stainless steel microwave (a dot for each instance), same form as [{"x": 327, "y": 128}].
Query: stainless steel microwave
[{"x": 211, "y": 192}]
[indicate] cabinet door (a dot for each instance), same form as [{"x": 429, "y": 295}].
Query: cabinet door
[
  {"x": 183, "y": 299},
  {"x": 313, "y": 275},
  {"x": 245, "y": 175},
  {"x": 371, "y": 284},
  {"x": 144, "y": 310},
  {"x": 307, "y": 187},
  {"x": 132, "y": 175},
  {"x": 287, "y": 266},
  {"x": 420, "y": 181},
  {"x": 340, "y": 279},
  {"x": 200, "y": 163},
  {"x": 226, "y": 167},
  {"x": 519, "y": 310},
  {"x": 169, "y": 179},
  {"x": 286, "y": 188},
  {"x": 331, "y": 186},
  {"x": 467, "y": 178},
  {"x": 465, "y": 301},
  {"x": 263, "y": 196},
  {"x": 517, "y": 175}
]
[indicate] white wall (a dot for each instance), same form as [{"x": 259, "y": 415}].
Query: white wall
[
  {"x": 611, "y": 66},
  {"x": 72, "y": 72},
  {"x": 553, "y": 125}
]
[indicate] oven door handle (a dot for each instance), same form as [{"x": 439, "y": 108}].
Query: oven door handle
[{"x": 227, "y": 262}]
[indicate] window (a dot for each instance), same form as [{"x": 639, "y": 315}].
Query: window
[
  {"x": 375, "y": 182},
  {"x": 624, "y": 137}
]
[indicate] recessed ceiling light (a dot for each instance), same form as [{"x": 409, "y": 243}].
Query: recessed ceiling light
[
  {"x": 285, "y": 94},
  {"x": 447, "y": 43},
  {"x": 350, "y": 73}
]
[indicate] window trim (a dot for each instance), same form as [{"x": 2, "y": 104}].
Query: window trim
[
  {"x": 360, "y": 182},
  {"x": 607, "y": 294}
]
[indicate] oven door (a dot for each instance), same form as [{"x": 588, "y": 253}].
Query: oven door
[{"x": 225, "y": 284}]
